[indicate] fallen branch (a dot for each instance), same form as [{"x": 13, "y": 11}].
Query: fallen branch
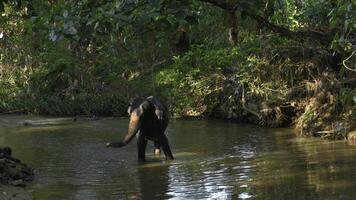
[
  {"x": 252, "y": 112},
  {"x": 243, "y": 102},
  {"x": 344, "y": 62}
]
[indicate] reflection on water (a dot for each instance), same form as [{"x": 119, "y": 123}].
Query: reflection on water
[{"x": 214, "y": 160}]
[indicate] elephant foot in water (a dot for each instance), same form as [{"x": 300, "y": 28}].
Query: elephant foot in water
[{"x": 157, "y": 152}]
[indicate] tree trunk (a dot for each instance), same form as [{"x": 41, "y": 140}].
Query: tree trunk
[{"x": 233, "y": 32}]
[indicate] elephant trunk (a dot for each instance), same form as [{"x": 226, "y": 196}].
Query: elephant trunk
[{"x": 134, "y": 125}]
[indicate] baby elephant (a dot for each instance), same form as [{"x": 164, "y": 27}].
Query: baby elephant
[{"x": 149, "y": 118}]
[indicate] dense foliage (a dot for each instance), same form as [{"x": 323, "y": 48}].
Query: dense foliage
[{"x": 270, "y": 62}]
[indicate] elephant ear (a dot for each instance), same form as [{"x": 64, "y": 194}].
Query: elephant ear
[
  {"x": 159, "y": 114},
  {"x": 159, "y": 108},
  {"x": 140, "y": 110},
  {"x": 135, "y": 105}
]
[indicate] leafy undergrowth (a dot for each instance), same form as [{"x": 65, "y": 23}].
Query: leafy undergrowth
[
  {"x": 330, "y": 112},
  {"x": 287, "y": 85}
]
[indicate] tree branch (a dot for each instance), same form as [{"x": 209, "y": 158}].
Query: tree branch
[
  {"x": 322, "y": 37},
  {"x": 344, "y": 62},
  {"x": 221, "y": 4}
]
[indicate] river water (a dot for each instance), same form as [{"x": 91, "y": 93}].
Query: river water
[{"x": 213, "y": 160}]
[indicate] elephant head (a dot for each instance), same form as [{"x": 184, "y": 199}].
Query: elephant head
[{"x": 135, "y": 111}]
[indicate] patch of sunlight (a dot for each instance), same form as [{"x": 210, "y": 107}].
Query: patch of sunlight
[{"x": 244, "y": 195}]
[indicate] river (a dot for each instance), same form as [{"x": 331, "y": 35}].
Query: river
[{"x": 213, "y": 160}]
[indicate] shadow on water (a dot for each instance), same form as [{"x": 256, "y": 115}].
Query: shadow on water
[
  {"x": 214, "y": 160},
  {"x": 154, "y": 180}
]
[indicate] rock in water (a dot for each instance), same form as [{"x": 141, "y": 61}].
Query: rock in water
[{"x": 12, "y": 171}]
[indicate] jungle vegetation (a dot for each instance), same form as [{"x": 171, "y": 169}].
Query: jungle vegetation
[{"x": 270, "y": 62}]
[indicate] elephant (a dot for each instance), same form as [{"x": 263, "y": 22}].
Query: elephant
[{"x": 149, "y": 118}]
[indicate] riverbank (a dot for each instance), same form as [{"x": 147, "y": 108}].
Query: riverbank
[
  {"x": 248, "y": 84},
  {"x": 320, "y": 107},
  {"x": 287, "y": 88}
]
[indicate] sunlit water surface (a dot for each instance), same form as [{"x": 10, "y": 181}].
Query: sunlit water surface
[{"x": 214, "y": 160}]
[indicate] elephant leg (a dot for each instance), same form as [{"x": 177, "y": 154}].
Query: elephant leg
[
  {"x": 157, "y": 148},
  {"x": 141, "y": 147},
  {"x": 163, "y": 141}
]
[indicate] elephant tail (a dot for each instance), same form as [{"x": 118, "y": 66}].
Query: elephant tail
[{"x": 134, "y": 126}]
